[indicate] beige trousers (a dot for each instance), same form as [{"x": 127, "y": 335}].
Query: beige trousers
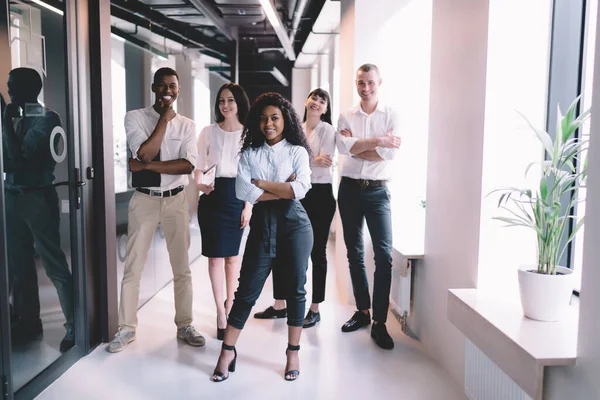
[{"x": 145, "y": 213}]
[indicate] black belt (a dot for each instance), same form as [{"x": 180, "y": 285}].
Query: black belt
[
  {"x": 365, "y": 183},
  {"x": 156, "y": 193}
]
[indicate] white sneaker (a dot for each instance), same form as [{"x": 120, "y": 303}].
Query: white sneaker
[{"x": 120, "y": 341}]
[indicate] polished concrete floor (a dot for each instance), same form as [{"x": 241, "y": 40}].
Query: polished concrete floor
[{"x": 334, "y": 365}]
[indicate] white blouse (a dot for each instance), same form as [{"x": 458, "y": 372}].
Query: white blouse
[
  {"x": 322, "y": 142},
  {"x": 216, "y": 146},
  {"x": 275, "y": 164}
]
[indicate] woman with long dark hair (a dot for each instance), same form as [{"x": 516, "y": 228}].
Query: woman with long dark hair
[
  {"x": 221, "y": 215},
  {"x": 274, "y": 175},
  {"x": 319, "y": 202}
]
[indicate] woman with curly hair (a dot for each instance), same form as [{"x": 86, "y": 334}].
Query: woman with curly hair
[
  {"x": 274, "y": 175},
  {"x": 221, "y": 215},
  {"x": 319, "y": 203}
]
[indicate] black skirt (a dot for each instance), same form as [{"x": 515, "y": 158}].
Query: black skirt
[{"x": 219, "y": 217}]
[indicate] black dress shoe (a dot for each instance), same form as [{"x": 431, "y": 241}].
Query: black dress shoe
[
  {"x": 271, "y": 313},
  {"x": 381, "y": 336},
  {"x": 311, "y": 319},
  {"x": 68, "y": 341},
  {"x": 358, "y": 320}
]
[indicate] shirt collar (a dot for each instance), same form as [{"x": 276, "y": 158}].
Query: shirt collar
[
  {"x": 380, "y": 107},
  {"x": 316, "y": 126},
  {"x": 276, "y": 146}
]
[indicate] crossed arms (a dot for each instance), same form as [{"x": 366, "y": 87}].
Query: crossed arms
[
  {"x": 379, "y": 148},
  {"x": 254, "y": 190}
]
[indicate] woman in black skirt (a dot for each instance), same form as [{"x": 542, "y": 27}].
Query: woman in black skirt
[
  {"x": 274, "y": 175},
  {"x": 221, "y": 216}
]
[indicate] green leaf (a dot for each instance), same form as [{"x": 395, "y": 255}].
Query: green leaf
[
  {"x": 543, "y": 136},
  {"x": 544, "y": 188},
  {"x": 547, "y": 211},
  {"x": 567, "y": 125}
]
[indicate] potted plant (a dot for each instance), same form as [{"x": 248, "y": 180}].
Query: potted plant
[{"x": 546, "y": 289}]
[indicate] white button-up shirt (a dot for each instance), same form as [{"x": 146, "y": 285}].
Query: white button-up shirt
[
  {"x": 178, "y": 142},
  {"x": 364, "y": 126},
  {"x": 216, "y": 146},
  {"x": 275, "y": 164},
  {"x": 322, "y": 142}
]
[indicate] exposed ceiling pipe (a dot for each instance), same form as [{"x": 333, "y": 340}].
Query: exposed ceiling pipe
[
  {"x": 300, "y": 6},
  {"x": 214, "y": 16},
  {"x": 122, "y": 12}
]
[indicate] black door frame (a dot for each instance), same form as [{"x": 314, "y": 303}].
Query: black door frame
[{"x": 86, "y": 68}]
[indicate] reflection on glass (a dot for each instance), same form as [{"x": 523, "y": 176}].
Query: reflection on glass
[{"x": 36, "y": 192}]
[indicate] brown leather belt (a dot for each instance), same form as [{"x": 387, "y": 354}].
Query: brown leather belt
[
  {"x": 365, "y": 183},
  {"x": 155, "y": 193}
]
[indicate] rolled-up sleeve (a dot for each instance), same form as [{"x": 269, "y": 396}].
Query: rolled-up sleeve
[
  {"x": 385, "y": 152},
  {"x": 344, "y": 144},
  {"x": 244, "y": 189},
  {"x": 136, "y": 136},
  {"x": 301, "y": 164},
  {"x": 189, "y": 150}
]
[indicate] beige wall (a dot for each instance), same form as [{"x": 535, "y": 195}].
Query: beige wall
[
  {"x": 458, "y": 72},
  {"x": 301, "y": 86}
]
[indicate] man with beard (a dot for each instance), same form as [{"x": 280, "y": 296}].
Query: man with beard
[{"x": 163, "y": 148}]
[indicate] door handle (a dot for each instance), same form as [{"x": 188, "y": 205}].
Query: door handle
[{"x": 76, "y": 185}]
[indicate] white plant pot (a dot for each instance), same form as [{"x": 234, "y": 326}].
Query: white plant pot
[{"x": 545, "y": 297}]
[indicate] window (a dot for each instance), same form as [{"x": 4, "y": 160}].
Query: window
[
  {"x": 517, "y": 80},
  {"x": 405, "y": 74},
  {"x": 586, "y": 102}
]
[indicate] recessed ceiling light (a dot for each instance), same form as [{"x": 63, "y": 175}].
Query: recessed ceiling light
[{"x": 241, "y": 11}]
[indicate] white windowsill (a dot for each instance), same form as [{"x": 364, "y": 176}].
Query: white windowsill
[{"x": 520, "y": 346}]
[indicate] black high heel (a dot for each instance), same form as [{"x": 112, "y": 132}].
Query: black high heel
[
  {"x": 294, "y": 372},
  {"x": 231, "y": 368}
]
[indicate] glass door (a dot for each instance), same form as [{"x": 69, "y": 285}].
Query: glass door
[{"x": 41, "y": 190}]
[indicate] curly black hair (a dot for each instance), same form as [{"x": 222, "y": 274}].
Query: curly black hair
[{"x": 292, "y": 127}]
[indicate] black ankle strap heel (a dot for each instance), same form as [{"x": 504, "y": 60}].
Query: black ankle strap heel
[
  {"x": 219, "y": 376},
  {"x": 294, "y": 373}
]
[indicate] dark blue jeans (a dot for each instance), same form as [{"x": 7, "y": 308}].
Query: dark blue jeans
[
  {"x": 373, "y": 204},
  {"x": 34, "y": 217},
  {"x": 280, "y": 238}
]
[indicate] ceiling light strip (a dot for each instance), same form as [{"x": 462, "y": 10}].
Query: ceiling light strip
[{"x": 277, "y": 25}]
